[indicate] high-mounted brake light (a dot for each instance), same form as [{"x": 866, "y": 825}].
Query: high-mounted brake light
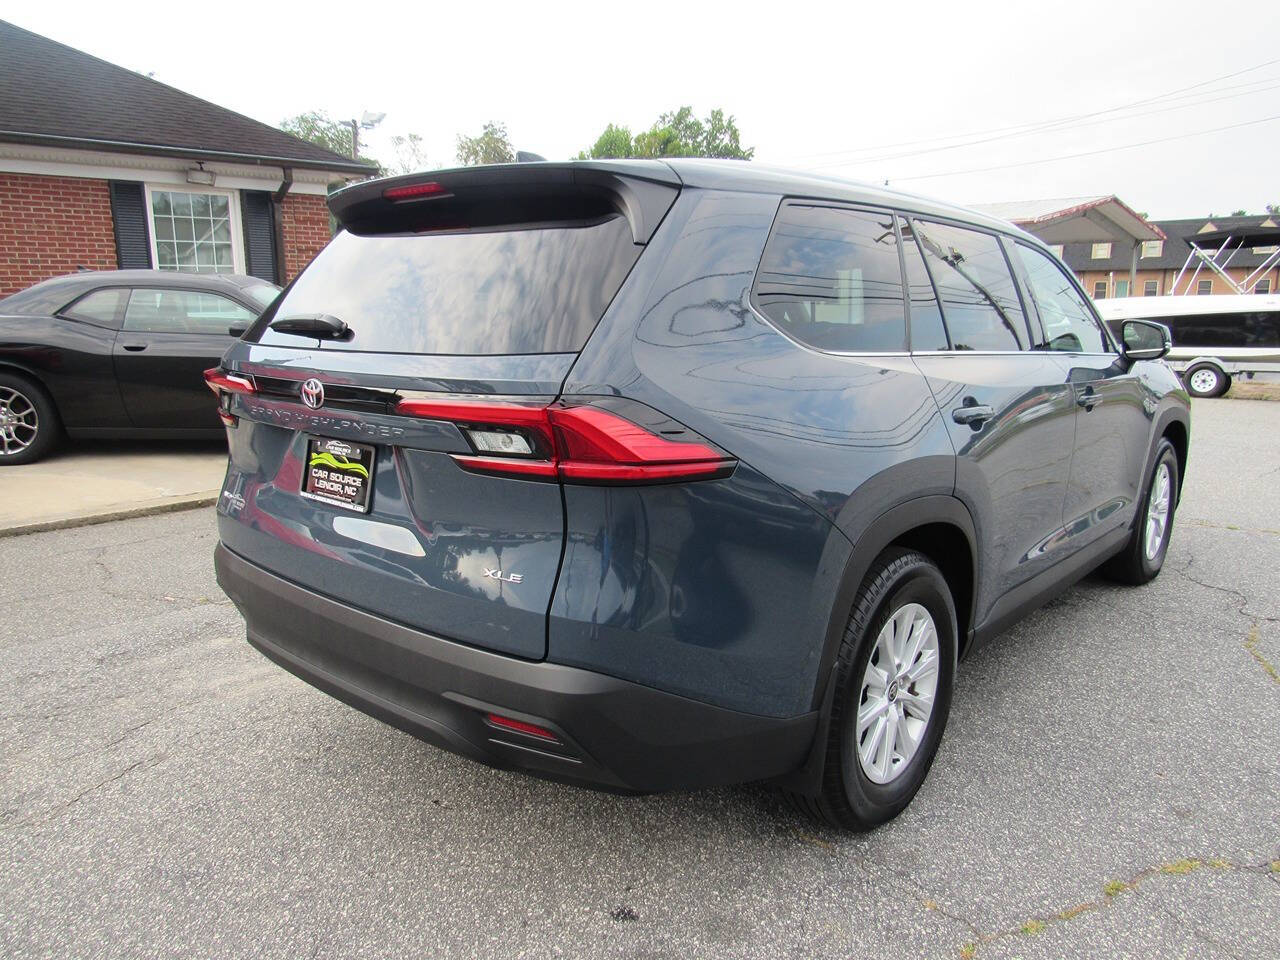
[
  {"x": 415, "y": 191},
  {"x": 577, "y": 444},
  {"x": 219, "y": 380}
]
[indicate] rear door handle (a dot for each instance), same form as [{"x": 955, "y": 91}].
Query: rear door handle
[
  {"x": 975, "y": 414},
  {"x": 1087, "y": 397},
  {"x": 134, "y": 347}
]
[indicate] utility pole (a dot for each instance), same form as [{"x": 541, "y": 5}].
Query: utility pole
[{"x": 367, "y": 122}]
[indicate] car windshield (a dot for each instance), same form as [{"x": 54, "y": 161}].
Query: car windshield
[{"x": 263, "y": 293}]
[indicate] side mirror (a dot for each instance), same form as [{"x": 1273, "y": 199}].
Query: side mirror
[
  {"x": 1145, "y": 340},
  {"x": 237, "y": 330}
]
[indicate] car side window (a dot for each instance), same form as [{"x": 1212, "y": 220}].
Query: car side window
[
  {"x": 1069, "y": 324},
  {"x": 183, "y": 311},
  {"x": 831, "y": 278},
  {"x": 927, "y": 331},
  {"x": 101, "y": 307},
  {"x": 980, "y": 302}
]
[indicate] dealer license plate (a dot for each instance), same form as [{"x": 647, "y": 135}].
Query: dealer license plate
[{"x": 339, "y": 472}]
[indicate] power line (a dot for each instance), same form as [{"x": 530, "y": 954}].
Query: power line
[
  {"x": 1086, "y": 153},
  {"x": 1059, "y": 120},
  {"x": 1088, "y": 123}
]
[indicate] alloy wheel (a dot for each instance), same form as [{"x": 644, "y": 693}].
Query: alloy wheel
[
  {"x": 19, "y": 422},
  {"x": 898, "y": 691},
  {"x": 1158, "y": 511}
]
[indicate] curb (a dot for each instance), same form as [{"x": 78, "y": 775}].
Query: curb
[{"x": 188, "y": 502}]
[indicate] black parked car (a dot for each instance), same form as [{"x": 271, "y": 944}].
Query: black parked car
[
  {"x": 117, "y": 354},
  {"x": 650, "y": 475}
]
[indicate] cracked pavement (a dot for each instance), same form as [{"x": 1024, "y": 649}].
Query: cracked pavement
[{"x": 1109, "y": 784}]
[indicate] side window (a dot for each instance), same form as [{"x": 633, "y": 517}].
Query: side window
[
  {"x": 102, "y": 307},
  {"x": 979, "y": 299},
  {"x": 830, "y": 277},
  {"x": 927, "y": 332},
  {"x": 183, "y": 311},
  {"x": 1069, "y": 325}
]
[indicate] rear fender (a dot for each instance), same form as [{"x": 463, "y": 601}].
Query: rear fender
[{"x": 891, "y": 526}]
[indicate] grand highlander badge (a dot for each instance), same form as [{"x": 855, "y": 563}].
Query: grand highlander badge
[{"x": 312, "y": 393}]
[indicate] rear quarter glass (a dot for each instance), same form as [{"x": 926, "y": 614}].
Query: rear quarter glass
[{"x": 538, "y": 289}]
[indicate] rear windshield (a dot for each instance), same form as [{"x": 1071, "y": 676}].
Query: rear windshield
[{"x": 530, "y": 290}]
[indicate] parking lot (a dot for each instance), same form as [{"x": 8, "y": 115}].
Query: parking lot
[{"x": 1109, "y": 784}]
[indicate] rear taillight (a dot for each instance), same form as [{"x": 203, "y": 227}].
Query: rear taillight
[
  {"x": 219, "y": 380},
  {"x": 223, "y": 384},
  {"x": 577, "y": 444}
]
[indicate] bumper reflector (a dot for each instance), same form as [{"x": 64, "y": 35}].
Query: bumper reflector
[{"x": 519, "y": 726}]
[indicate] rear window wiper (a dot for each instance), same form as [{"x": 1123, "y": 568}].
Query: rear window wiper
[{"x": 320, "y": 325}]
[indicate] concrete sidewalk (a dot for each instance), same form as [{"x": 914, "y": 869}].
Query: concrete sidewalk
[{"x": 92, "y": 482}]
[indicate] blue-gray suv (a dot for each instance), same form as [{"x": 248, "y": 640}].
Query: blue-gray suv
[{"x": 649, "y": 475}]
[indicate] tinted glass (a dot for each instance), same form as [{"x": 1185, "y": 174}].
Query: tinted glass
[
  {"x": 831, "y": 278},
  {"x": 979, "y": 300},
  {"x": 1225, "y": 330},
  {"x": 483, "y": 292},
  {"x": 1068, "y": 323},
  {"x": 263, "y": 293},
  {"x": 100, "y": 307},
  {"x": 927, "y": 331},
  {"x": 184, "y": 311}
]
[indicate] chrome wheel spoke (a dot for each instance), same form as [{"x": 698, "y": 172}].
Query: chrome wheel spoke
[{"x": 870, "y": 712}]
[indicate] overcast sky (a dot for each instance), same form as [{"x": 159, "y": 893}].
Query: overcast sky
[{"x": 837, "y": 87}]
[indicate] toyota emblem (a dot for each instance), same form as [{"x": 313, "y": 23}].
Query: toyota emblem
[{"x": 312, "y": 393}]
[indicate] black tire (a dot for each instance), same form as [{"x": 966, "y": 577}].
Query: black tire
[
  {"x": 1133, "y": 565},
  {"x": 1203, "y": 387},
  {"x": 848, "y": 797},
  {"x": 24, "y": 403}
]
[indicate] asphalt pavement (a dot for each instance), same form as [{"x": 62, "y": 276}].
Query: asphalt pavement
[{"x": 1109, "y": 784}]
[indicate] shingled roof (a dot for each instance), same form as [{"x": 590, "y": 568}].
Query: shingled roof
[
  {"x": 1175, "y": 249},
  {"x": 55, "y": 95}
]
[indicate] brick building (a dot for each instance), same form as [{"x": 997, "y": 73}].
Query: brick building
[{"x": 103, "y": 168}]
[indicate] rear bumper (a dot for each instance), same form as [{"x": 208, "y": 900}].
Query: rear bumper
[{"x": 613, "y": 734}]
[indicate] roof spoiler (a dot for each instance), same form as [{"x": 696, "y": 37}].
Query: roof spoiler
[{"x": 641, "y": 191}]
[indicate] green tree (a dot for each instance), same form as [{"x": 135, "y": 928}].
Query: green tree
[
  {"x": 613, "y": 144},
  {"x": 1273, "y": 208},
  {"x": 675, "y": 134},
  {"x": 1239, "y": 213},
  {"x": 491, "y": 145},
  {"x": 411, "y": 156},
  {"x": 317, "y": 127}
]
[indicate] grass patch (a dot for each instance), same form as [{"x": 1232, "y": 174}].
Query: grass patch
[
  {"x": 1032, "y": 927},
  {"x": 1075, "y": 911},
  {"x": 1180, "y": 867},
  {"x": 1251, "y": 644},
  {"x": 968, "y": 951},
  {"x": 1116, "y": 887}
]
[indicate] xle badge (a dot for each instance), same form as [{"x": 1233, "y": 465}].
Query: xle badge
[{"x": 498, "y": 575}]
